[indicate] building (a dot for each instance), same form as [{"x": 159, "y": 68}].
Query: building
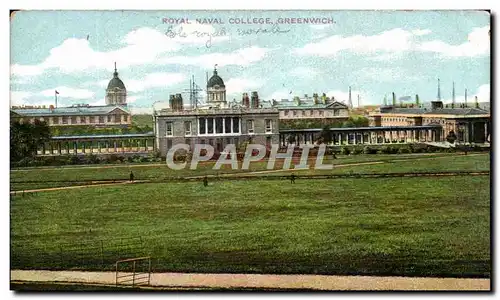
[
  {"x": 470, "y": 125},
  {"x": 217, "y": 123},
  {"x": 314, "y": 107},
  {"x": 77, "y": 115},
  {"x": 114, "y": 113},
  {"x": 116, "y": 93}
]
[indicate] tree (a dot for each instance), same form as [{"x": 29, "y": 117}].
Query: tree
[
  {"x": 326, "y": 136},
  {"x": 25, "y": 139}
]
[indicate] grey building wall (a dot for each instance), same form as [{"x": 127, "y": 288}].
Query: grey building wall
[{"x": 219, "y": 141}]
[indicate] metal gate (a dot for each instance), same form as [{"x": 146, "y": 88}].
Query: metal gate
[{"x": 133, "y": 271}]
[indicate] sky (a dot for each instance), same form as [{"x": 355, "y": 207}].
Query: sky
[{"x": 275, "y": 53}]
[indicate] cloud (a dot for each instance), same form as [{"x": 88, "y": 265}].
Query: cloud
[
  {"x": 279, "y": 95},
  {"x": 67, "y": 92},
  {"x": 140, "y": 46},
  {"x": 478, "y": 43},
  {"x": 392, "y": 40},
  {"x": 419, "y": 32},
  {"x": 19, "y": 97},
  {"x": 320, "y": 26},
  {"x": 385, "y": 74},
  {"x": 132, "y": 99},
  {"x": 153, "y": 80},
  {"x": 482, "y": 93},
  {"x": 235, "y": 86},
  {"x": 343, "y": 96},
  {"x": 304, "y": 72},
  {"x": 396, "y": 41},
  {"x": 241, "y": 57}
]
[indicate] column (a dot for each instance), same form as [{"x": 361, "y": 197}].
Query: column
[
  {"x": 115, "y": 144},
  {"x": 59, "y": 148},
  {"x": 75, "y": 147},
  {"x": 485, "y": 132},
  {"x": 224, "y": 125},
  {"x": 67, "y": 148},
  {"x": 98, "y": 147},
  {"x": 232, "y": 125},
  {"x": 390, "y": 136},
  {"x": 206, "y": 125},
  {"x": 83, "y": 147},
  {"x": 213, "y": 122},
  {"x": 340, "y": 138},
  {"x": 473, "y": 137},
  {"x": 91, "y": 148}
]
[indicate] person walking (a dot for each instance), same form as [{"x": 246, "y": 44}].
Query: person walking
[
  {"x": 292, "y": 178},
  {"x": 131, "y": 176},
  {"x": 205, "y": 181}
]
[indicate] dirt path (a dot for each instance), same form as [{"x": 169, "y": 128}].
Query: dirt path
[
  {"x": 223, "y": 175},
  {"x": 316, "y": 282}
]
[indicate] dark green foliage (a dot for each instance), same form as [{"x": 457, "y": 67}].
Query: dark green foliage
[
  {"x": 345, "y": 151},
  {"x": 25, "y": 139},
  {"x": 451, "y": 137}
]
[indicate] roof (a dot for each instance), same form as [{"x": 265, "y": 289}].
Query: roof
[
  {"x": 116, "y": 82},
  {"x": 309, "y": 105},
  {"x": 354, "y": 129},
  {"x": 215, "y": 80},
  {"x": 439, "y": 111},
  {"x": 70, "y": 111},
  {"x": 103, "y": 136}
]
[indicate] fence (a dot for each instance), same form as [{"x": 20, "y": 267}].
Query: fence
[
  {"x": 95, "y": 254},
  {"x": 141, "y": 271}
]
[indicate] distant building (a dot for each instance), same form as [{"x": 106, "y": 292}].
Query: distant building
[
  {"x": 471, "y": 125},
  {"x": 116, "y": 93},
  {"x": 315, "y": 107},
  {"x": 77, "y": 115},
  {"x": 217, "y": 122}
]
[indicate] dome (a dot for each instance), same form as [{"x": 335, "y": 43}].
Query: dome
[
  {"x": 215, "y": 80},
  {"x": 116, "y": 82}
]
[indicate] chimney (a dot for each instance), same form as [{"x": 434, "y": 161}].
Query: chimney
[
  {"x": 171, "y": 102},
  {"x": 323, "y": 98},
  {"x": 296, "y": 99},
  {"x": 477, "y": 102},
  {"x": 417, "y": 100},
  {"x": 255, "y": 100},
  {"x": 436, "y": 105},
  {"x": 245, "y": 100},
  {"x": 393, "y": 99},
  {"x": 180, "y": 102},
  {"x": 315, "y": 97}
]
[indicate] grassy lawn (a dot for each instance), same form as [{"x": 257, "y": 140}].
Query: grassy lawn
[
  {"x": 142, "y": 120},
  {"x": 47, "y": 177},
  {"x": 392, "y": 226}
]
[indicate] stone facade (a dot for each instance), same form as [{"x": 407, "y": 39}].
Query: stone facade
[
  {"x": 217, "y": 127},
  {"x": 471, "y": 125}
]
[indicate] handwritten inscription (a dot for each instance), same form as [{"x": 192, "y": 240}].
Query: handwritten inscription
[{"x": 179, "y": 32}]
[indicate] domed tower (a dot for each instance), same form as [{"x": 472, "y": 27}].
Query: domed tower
[
  {"x": 116, "y": 93},
  {"x": 216, "y": 91}
]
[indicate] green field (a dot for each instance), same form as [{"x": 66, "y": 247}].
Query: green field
[
  {"x": 31, "y": 178},
  {"x": 142, "y": 120},
  {"x": 392, "y": 226}
]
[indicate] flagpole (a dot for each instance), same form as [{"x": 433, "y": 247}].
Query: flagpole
[{"x": 56, "y": 97}]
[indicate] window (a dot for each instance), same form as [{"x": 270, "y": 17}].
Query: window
[
  {"x": 170, "y": 129},
  {"x": 320, "y": 113},
  {"x": 73, "y": 120},
  {"x": 109, "y": 119},
  {"x": 236, "y": 125},
  {"x": 201, "y": 126},
  {"x": 65, "y": 120},
  {"x": 83, "y": 120},
  {"x": 303, "y": 113},
  {"x": 250, "y": 126},
  {"x": 218, "y": 125},
  {"x": 336, "y": 112},
  {"x": 210, "y": 125},
  {"x": 227, "y": 125},
  {"x": 286, "y": 112},
  {"x": 187, "y": 128},
  {"x": 101, "y": 119},
  {"x": 294, "y": 113},
  {"x": 269, "y": 127}
]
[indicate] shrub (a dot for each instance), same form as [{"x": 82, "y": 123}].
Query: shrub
[
  {"x": 345, "y": 151},
  {"x": 357, "y": 150},
  {"x": 403, "y": 150},
  {"x": 368, "y": 150}
]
